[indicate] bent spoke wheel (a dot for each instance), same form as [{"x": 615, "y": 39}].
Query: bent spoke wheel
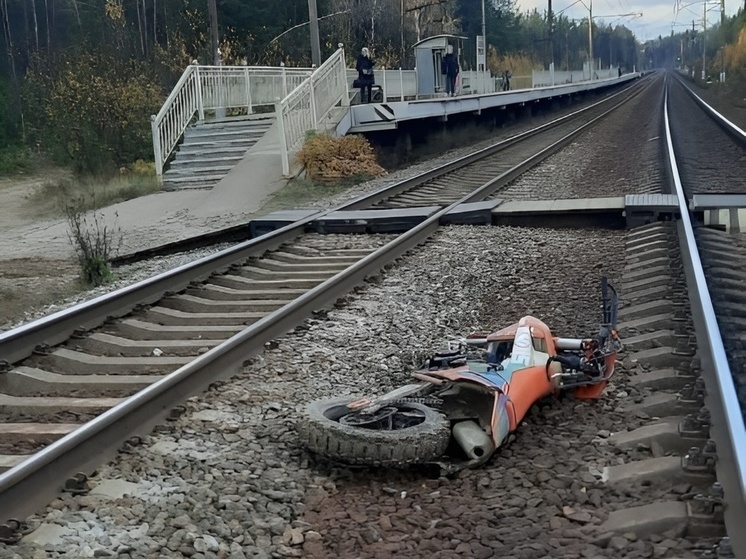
[
  {"x": 389, "y": 418},
  {"x": 394, "y": 435}
]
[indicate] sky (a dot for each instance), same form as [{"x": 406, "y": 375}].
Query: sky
[{"x": 657, "y": 15}]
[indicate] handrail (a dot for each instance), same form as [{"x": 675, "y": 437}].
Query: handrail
[
  {"x": 728, "y": 426},
  {"x": 306, "y": 106},
  {"x": 212, "y": 87}
]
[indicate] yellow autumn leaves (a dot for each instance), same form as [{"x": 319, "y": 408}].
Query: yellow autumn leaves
[{"x": 329, "y": 158}]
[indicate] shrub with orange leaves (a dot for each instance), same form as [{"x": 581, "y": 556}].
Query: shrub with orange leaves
[{"x": 330, "y": 158}]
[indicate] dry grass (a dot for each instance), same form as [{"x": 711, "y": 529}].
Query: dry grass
[
  {"x": 517, "y": 64},
  {"x": 94, "y": 192}
]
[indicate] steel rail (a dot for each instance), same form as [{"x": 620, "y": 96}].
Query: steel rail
[
  {"x": 734, "y": 131},
  {"x": 237, "y": 233},
  {"x": 20, "y": 342},
  {"x": 727, "y": 427},
  {"x": 33, "y": 483},
  {"x": 376, "y": 196},
  {"x": 511, "y": 174}
]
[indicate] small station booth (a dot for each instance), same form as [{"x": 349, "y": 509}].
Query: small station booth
[{"x": 428, "y": 54}]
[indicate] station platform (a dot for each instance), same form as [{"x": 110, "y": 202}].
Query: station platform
[{"x": 389, "y": 115}]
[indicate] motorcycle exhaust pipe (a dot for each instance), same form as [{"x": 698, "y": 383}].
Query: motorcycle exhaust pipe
[{"x": 473, "y": 440}]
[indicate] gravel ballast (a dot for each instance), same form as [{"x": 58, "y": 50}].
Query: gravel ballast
[{"x": 229, "y": 479}]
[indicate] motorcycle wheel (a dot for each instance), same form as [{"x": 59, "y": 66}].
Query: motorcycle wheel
[{"x": 322, "y": 433}]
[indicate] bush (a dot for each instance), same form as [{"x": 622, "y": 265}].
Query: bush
[
  {"x": 143, "y": 168},
  {"x": 91, "y": 109},
  {"x": 330, "y": 158},
  {"x": 94, "y": 242},
  {"x": 15, "y": 160}
]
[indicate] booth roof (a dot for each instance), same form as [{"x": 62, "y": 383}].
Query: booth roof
[{"x": 425, "y": 40}]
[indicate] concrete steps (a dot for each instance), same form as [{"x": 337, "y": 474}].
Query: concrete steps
[{"x": 211, "y": 149}]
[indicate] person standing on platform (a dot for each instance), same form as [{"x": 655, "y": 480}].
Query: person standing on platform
[
  {"x": 365, "y": 79},
  {"x": 450, "y": 65}
]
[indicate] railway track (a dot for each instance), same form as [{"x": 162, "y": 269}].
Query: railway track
[
  {"x": 324, "y": 262},
  {"x": 67, "y": 369},
  {"x": 179, "y": 332},
  {"x": 716, "y": 295},
  {"x": 446, "y": 183}
]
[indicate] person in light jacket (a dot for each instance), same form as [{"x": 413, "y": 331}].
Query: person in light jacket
[
  {"x": 450, "y": 64},
  {"x": 365, "y": 79}
]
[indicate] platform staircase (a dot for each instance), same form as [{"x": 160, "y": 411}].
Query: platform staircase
[
  {"x": 211, "y": 149},
  {"x": 189, "y": 155}
]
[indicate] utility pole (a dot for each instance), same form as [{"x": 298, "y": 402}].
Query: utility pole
[
  {"x": 482, "y": 43},
  {"x": 590, "y": 39},
  {"x": 722, "y": 50},
  {"x": 484, "y": 24},
  {"x": 401, "y": 33},
  {"x": 313, "y": 18},
  {"x": 704, "y": 45},
  {"x": 551, "y": 33},
  {"x": 213, "y": 9}
]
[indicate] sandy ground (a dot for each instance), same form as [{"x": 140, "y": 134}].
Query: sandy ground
[{"x": 37, "y": 260}]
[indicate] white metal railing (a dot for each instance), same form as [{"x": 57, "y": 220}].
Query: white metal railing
[
  {"x": 308, "y": 105},
  {"x": 473, "y": 82},
  {"x": 206, "y": 88},
  {"x": 543, "y": 78},
  {"x": 396, "y": 84}
]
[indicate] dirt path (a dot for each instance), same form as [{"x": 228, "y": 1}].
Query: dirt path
[
  {"x": 26, "y": 278},
  {"x": 37, "y": 260}
]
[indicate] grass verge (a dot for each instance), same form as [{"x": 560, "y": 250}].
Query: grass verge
[
  {"x": 96, "y": 192},
  {"x": 299, "y": 192}
]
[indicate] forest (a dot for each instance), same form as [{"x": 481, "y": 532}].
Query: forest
[{"x": 80, "y": 79}]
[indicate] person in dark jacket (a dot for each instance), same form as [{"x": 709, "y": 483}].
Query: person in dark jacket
[
  {"x": 450, "y": 64},
  {"x": 365, "y": 79}
]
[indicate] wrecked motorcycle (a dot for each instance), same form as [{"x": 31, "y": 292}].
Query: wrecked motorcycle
[{"x": 464, "y": 407}]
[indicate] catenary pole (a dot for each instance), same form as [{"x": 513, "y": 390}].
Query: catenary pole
[
  {"x": 313, "y": 17},
  {"x": 401, "y": 36},
  {"x": 590, "y": 39},
  {"x": 704, "y": 44},
  {"x": 551, "y": 32},
  {"x": 484, "y": 26},
  {"x": 213, "y": 9}
]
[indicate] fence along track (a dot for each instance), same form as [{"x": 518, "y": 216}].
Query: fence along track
[
  {"x": 30, "y": 485},
  {"x": 727, "y": 424}
]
